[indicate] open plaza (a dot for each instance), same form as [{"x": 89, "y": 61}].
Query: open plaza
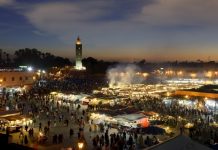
[{"x": 119, "y": 116}]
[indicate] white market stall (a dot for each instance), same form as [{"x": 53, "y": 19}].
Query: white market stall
[{"x": 130, "y": 120}]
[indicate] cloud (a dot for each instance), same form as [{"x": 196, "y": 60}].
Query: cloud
[
  {"x": 65, "y": 18},
  {"x": 86, "y": 18},
  {"x": 180, "y": 13},
  {"x": 6, "y": 2},
  {"x": 37, "y": 32}
]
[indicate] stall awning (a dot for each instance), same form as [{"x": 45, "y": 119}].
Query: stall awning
[
  {"x": 14, "y": 118},
  {"x": 131, "y": 117}
]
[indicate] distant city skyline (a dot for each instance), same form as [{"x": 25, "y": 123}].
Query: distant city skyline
[{"x": 130, "y": 30}]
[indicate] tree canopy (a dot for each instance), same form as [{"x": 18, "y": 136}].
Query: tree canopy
[{"x": 32, "y": 57}]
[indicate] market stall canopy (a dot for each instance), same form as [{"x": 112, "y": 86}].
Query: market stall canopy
[
  {"x": 149, "y": 113},
  {"x": 138, "y": 118},
  {"x": 4, "y": 113},
  {"x": 131, "y": 117},
  {"x": 14, "y": 118},
  {"x": 179, "y": 142}
]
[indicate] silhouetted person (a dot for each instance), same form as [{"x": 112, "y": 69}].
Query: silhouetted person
[
  {"x": 26, "y": 128},
  {"x": 25, "y": 139},
  {"x": 71, "y": 132},
  {"x": 40, "y": 126}
]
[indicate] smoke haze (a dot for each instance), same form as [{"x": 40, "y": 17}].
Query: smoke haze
[{"x": 124, "y": 75}]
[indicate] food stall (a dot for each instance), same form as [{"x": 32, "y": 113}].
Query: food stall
[
  {"x": 15, "y": 122},
  {"x": 211, "y": 105},
  {"x": 129, "y": 120},
  {"x": 133, "y": 120}
]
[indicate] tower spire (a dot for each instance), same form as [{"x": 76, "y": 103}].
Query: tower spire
[{"x": 78, "y": 40}]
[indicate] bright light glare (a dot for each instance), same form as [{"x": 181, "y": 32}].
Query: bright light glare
[{"x": 30, "y": 69}]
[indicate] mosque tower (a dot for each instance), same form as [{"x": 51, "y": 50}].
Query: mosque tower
[{"x": 79, "y": 65}]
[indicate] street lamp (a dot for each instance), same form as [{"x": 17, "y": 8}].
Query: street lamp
[
  {"x": 29, "y": 69},
  {"x": 43, "y": 71},
  {"x": 180, "y": 73},
  {"x": 40, "y": 134},
  {"x": 193, "y": 75},
  {"x": 80, "y": 145},
  {"x": 209, "y": 74}
]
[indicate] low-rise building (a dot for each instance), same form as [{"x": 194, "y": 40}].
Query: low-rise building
[{"x": 16, "y": 79}]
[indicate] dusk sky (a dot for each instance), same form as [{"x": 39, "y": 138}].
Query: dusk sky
[{"x": 155, "y": 30}]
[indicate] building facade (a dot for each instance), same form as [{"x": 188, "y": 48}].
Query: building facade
[{"x": 9, "y": 79}]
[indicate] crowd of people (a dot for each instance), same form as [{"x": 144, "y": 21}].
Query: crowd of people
[
  {"x": 204, "y": 133},
  {"x": 120, "y": 141},
  {"x": 73, "y": 85}
]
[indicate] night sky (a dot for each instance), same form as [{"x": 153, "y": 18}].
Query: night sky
[{"x": 127, "y": 30}]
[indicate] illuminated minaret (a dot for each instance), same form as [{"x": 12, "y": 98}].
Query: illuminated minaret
[{"x": 79, "y": 65}]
